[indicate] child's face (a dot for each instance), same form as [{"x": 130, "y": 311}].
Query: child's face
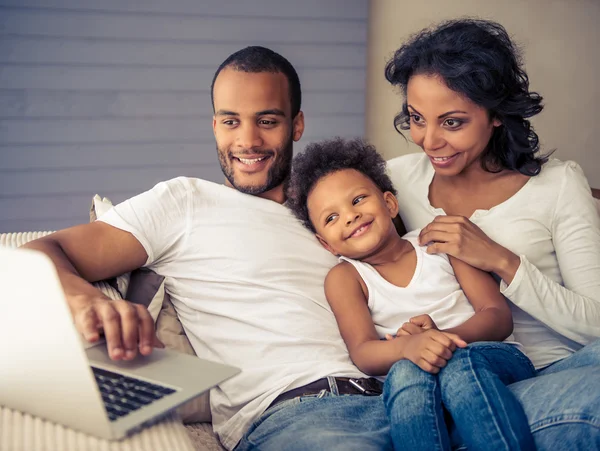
[{"x": 351, "y": 216}]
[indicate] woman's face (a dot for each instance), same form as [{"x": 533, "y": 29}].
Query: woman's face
[{"x": 452, "y": 130}]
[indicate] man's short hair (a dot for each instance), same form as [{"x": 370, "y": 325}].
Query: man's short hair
[{"x": 255, "y": 59}]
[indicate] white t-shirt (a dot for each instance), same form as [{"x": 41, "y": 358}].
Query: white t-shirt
[
  {"x": 433, "y": 290},
  {"x": 246, "y": 279},
  {"x": 553, "y": 225}
]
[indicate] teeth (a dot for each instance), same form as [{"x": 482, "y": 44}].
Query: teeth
[
  {"x": 252, "y": 161},
  {"x": 359, "y": 230},
  {"x": 441, "y": 158}
]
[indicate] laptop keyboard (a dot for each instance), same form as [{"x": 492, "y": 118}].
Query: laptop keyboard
[{"x": 122, "y": 394}]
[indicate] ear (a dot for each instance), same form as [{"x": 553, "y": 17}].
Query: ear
[
  {"x": 214, "y": 126},
  {"x": 298, "y": 126},
  {"x": 325, "y": 245},
  {"x": 391, "y": 203},
  {"x": 496, "y": 122}
]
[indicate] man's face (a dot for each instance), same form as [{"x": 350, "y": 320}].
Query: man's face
[{"x": 254, "y": 131}]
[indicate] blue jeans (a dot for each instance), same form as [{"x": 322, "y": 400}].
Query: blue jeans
[
  {"x": 472, "y": 389},
  {"x": 311, "y": 423},
  {"x": 562, "y": 405}
]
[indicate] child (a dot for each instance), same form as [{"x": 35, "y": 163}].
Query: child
[{"x": 407, "y": 313}]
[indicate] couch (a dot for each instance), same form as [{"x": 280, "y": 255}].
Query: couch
[{"x": 145, "y": 287}]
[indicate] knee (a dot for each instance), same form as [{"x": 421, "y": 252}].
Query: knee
[
  {"x": 404, "y": 371},
  {"x": 402, "y": 376}
]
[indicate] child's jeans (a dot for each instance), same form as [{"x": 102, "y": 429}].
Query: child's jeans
[{"x": 470, "y": 391}]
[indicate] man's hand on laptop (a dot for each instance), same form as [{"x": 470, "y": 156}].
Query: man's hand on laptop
[{"x": 128, "y": 328}]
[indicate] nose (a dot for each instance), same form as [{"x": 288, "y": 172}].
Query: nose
[
  {"x": 433, "y": 139},
  {"x": 248, "y": 136},
  {"x": 352, "y": 216}
]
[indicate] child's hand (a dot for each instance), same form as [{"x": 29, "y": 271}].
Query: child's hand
[
  {"x": 416, "y": 325},
  {"x": 423, "y": 321},
  {"x": 431, "y": 349}
]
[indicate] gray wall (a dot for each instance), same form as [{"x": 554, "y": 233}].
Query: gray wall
[{"x": 112, "y": 96}]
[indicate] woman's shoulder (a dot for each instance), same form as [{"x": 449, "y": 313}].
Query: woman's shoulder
[
  {"x": 408, "y": 168},
  {"x": 556, "y": 173}
]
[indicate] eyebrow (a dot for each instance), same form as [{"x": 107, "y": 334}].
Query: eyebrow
[
  {"x": 441, "y": 116},
  {"x": 272, "y": 111}
]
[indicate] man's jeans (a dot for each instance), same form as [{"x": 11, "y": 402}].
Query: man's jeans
[
  {"x": 562, "y": 404},
  {"x": 472, "y": 388}
]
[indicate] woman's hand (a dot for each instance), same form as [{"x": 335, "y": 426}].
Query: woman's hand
[{"x": 460, "y": 238}]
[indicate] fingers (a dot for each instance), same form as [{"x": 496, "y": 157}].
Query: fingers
[
  {"x": 449, "y": 219},
  {"x": 443, "y": 339},
  {"x": 147, "y": 338},
  {"x": 128, "y": 328},
  {"x": 128, "y": 314},
  {"x": 443, "y": 228},
  {"x": 426, "y": 366},
  {"x": 459, "y": 342},
  {"x": 88, "y": 324},
  {"x": 111, "y": 323},
  {"x": 423, "y": 321},
  {"x": 441, "y": 248},
  {"x": 435, "y": 360},
  {"x": 411, "y": 329},
  {"x": 438, "y": 236}
]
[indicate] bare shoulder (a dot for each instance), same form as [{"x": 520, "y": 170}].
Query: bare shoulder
[{"x": 341, "y": 273}]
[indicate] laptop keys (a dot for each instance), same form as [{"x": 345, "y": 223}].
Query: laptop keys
[{"x": 122, "y": 395}]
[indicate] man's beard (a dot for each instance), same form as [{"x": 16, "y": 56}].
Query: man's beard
[{"x": 278, "y": 173}]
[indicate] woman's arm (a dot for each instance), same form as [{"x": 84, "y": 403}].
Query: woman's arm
[
  {"x": 492, "y": 320},
  {"x": 370, "y": 354},
  {"x": 573, "y": 307}
]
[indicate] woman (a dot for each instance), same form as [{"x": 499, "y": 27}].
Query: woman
[{"x": 482, "y": 193}]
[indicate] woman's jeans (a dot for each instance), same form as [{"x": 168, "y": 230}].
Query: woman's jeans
[
  {"x": 471, "y": 391},
  {"x": 562, "y": 404}
]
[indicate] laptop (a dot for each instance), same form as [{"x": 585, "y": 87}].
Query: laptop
[{"x": 47, "y": 371}]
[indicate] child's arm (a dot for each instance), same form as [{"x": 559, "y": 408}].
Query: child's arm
[
  {"x": 370, "y": 354},
  {"x": 493, "y": 319}
]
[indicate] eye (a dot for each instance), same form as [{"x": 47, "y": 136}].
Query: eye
[
  {"x": 357, "y": 199},
  {"x": 267, "y": 123},
  {"x": 330, "y": 218},
  {"x": 452, "y": 123},
  {"x": 230, "y": 122},
  {"x": 416, "y": 119}
]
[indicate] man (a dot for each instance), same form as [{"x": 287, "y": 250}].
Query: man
[
  {"x": 244, "y": 275},
  {"x": 247, "y": 282}
]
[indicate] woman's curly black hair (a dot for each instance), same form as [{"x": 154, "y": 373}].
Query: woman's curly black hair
[
  {"x": 325, "y": 157},
  {"x": 477, "y": 59}
]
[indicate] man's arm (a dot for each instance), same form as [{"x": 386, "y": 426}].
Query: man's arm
[
  {"x": 493, "y": 319},
  {"x": 92, "y": 252}
]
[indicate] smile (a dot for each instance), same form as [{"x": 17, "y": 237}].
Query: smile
[
  {"x": 249, "y": 161},
  {"x": 361, "y": 230},
  {"x": 443, "y": 161}
]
